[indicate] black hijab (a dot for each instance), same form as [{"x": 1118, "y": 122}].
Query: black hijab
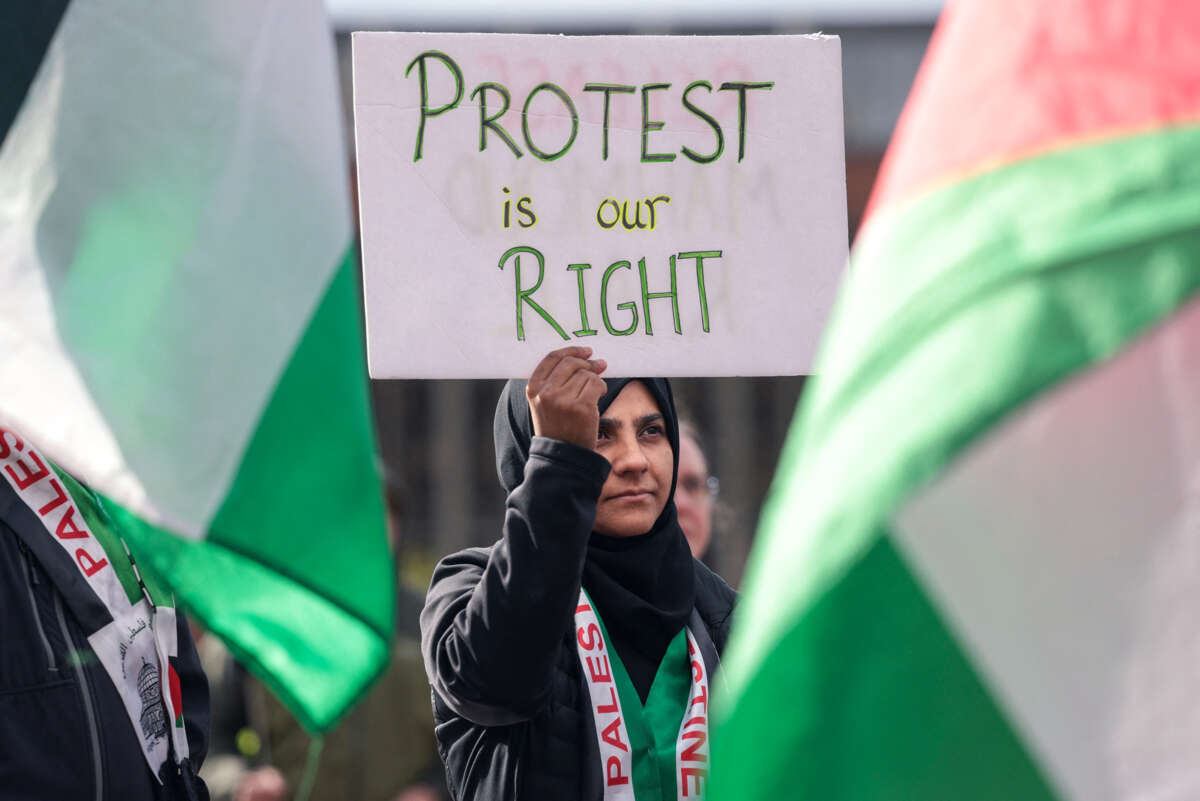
[{"x": 642, "y": 586}]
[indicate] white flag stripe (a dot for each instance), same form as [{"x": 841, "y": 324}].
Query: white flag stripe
[
  {"x": 1064, "y": 551},
  {"x": 176, "y": 180},
  {"x": 29, "y": 342}
]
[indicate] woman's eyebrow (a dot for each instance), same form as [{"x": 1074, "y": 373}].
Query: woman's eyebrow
[{"x": 612, "y": 422}]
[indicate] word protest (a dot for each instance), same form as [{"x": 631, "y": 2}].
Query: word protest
[{"x": 676, "y": 203}]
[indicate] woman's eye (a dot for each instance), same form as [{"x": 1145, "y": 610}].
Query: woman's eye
[{"x": 654, "y": 430}]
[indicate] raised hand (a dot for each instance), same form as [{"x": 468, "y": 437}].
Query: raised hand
[{"x": 563, "y": 392}]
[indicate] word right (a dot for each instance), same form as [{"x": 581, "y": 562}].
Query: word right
[{"x": 628, "y": 319}]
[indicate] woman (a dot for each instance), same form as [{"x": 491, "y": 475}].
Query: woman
[{"x": 571, "y": 659}]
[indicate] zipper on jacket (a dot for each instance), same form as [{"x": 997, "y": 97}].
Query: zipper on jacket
[
  {"x": 31, "y": 572},
  {"x": 85, "y": 687}
]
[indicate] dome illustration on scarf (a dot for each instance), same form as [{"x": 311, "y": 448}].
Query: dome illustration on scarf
[{"x": 154, "y": 717}]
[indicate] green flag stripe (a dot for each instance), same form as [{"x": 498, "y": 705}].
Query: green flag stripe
[
  {"x": 318, "y": 677},
  {"x": 934, "y": 257},
  {"x": 312, "y": 463},
  {"x": 1095, "y": 245},
  {"x": 869, "y": 697}
]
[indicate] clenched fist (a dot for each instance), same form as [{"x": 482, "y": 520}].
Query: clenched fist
[{"x": 563, "y": 392}]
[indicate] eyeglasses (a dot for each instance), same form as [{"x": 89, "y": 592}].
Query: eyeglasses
[{"x": 694, "y": 485}]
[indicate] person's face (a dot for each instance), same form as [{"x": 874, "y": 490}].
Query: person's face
[
  {"x": 633, "y": 437},
  {"x": 692, "y": 497}
]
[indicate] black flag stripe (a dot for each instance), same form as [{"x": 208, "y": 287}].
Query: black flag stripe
[{"x": 26, "y": 28}]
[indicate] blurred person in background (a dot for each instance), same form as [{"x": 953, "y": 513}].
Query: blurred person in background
[
  {"x": 696, "y": 495},
  {"x": 593, "y": 570}
]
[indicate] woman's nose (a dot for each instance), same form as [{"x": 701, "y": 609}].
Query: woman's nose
[{"x": 629, "y": 456}]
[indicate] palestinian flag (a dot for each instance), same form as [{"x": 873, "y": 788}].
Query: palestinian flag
[
  {"x": 978, "y": 573},
  {"x": 180, "y": 323}
]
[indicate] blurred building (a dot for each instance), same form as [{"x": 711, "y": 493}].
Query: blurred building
[{"x": 435, "y": 436}]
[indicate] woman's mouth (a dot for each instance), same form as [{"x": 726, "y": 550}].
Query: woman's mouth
[{"x": 632, "y": 496}]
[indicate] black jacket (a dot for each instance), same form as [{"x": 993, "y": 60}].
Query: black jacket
[
  {"x": 513, "y": 720},
  {"x": 64, "y": 732}
]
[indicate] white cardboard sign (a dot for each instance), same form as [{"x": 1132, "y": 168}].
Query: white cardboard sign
[{"x": 676, "y": 203}]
